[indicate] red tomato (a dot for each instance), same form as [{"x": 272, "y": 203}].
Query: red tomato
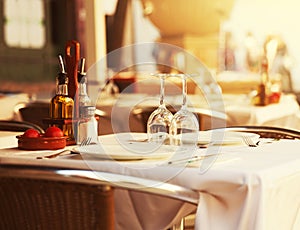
[
  {"x": 31, "y": 133},
  {"x": 53, "y": 131}
]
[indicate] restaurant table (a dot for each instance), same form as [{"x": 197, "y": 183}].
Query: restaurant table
[
  {"x": 237, "y": 109},
  {"x": 240, "y": 187}
]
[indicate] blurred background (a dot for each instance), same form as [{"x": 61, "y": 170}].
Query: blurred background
[{"x": 229, "y": 37}]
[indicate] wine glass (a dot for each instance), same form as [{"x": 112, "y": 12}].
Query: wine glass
[
  {"x": 159, "y": 121},
  {"x": 184, "y": 125}
]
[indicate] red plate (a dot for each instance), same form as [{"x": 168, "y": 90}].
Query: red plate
[{"x": 41, "y": 143}]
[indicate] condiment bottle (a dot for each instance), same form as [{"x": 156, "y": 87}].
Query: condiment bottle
[
  {"x": 263, "y": 91},
  {"x": 61, "y": 106},
  {"x": 83, "y": 98},
  {"x": 88, "y": 127},
  {"x": 275, "y": 89}
]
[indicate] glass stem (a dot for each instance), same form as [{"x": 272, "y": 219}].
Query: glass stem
[
  {"x": 184, "y": 92},
  {"x": 162, "y": 91}
]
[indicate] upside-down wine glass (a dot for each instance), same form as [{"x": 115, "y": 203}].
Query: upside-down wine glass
[
  {"x": 159, "y": 121},
  {"x": 184, "y": 125}
]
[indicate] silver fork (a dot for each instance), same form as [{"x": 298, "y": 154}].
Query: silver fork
[
  {"x": 86, "y": 141},
  {"x": 53, "y": 155},
  {"x": 248, "y": 141}
]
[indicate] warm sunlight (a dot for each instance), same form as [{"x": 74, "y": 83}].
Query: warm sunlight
[{"x": 265, "y": 17}]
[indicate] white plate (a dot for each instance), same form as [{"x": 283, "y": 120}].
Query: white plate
[
  {"x": 219, "y": 137},
  {"x": 129, "y": 151},
  {"x": 228, "y": 137}
]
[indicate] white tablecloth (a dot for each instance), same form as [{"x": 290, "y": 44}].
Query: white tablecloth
[
  {"x": 282, "y": 114},
  {"x": 244, "y": 188}
]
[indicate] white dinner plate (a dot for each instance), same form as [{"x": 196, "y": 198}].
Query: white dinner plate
[
  {"x": 227, "y": 138},
  {"x": 129, "y": 151},
  {"x": 220, "y": 137}
]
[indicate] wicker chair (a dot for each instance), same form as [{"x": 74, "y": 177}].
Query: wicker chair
[
  {"x": 34, "y": 197},
  {"x": 33, "y": 112},
  {"x": 18, "y": 126}
]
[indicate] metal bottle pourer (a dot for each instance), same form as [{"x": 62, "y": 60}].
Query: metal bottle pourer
[
  {"x": 61, "y": 64},
  {"x": 62, "y": 76},
  {"x": 81, "y": 73}
]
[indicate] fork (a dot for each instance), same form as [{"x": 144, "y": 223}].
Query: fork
[
  {"x": 248, "y": 141},
  {"x": 86, "y": 141},
  {"x": 53, "y": 155}
]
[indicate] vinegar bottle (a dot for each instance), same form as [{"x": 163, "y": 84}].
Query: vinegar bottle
[
  {"x": 263, "y": 91},
  {"x": 83, "y": 98},
  {"x": 61, "y": 106}
]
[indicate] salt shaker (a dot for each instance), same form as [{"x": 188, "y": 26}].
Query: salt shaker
[{"x": 88, "y": 126}]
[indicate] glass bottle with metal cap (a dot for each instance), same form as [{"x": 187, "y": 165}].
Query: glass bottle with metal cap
[
  {"x": 83, "y": 98},
  {"x": 61, "y": 105}
]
